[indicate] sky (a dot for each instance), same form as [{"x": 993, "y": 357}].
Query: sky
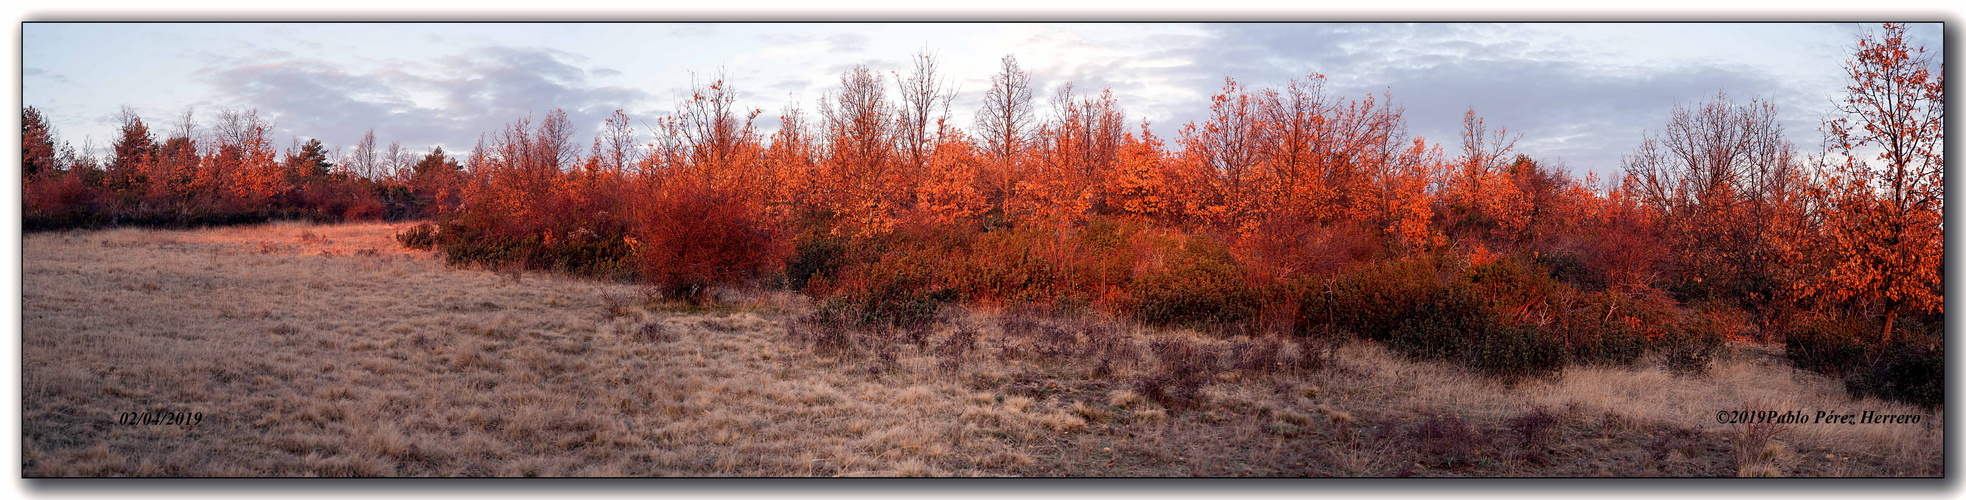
[{"x": 1580, "y": 95}]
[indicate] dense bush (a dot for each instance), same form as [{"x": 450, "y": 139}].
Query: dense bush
[
  {"x": 421, "y": 237},
  {"x": 1444, "y": 324},
  {"x": 1912, "y": 372},
  {"x": 815, "y": 254},
  {"x": 694, "y": 237},
  {"x": 1909, "y": 369},
  {"x": 1201, "y": 283},
  {"x": 1826, "y": 345},
  {"x": 1034, "y": 265},
  {"x": 498, "y": 244},
  {"x": 1371, "y": 300},
  {"x": 1456, "y": 325},
  {"x": 1699, "y": 335},
  {"x": 1508, "y": 317},
  {"x": 1602, "y": 328},
  {"x": 1569, "y": 268},
  {"x": 888, "y": 293}
]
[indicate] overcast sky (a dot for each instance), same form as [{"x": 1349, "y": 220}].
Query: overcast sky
[{"x": 1579, "y": 93}]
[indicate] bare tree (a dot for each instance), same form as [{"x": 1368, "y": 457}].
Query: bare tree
[
  {"x": 1721, "y": 177},
  {"x": 554, "y": 147},
  {"x": 394, "y": 160},
  {"x": 245, "y": 157},
  {"x": 1481, "y": 153},
  {"x": 857, "y": 125},
  {"x": 712, "y": 136},
  {"x": 1005, "y": 121},
  {"x": 363, "y": 159},
  {"x": 1711, "y": 153},
  {"x": 859, "y": 133},
  {"x": 1229, "y": 144},
  {"x": 481, "y": 157},
  {"x": 921, "y": 94},
  {"x": 186, "y": 128},
  {"x": 616, "y": 146}
]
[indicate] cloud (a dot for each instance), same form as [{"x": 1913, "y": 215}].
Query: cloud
[
  {"x": 848, "y": 42},
  {"x": 693, "y": 30},
  {"x": 52, "y": 77},
  {"x": 444, "y": 101}
]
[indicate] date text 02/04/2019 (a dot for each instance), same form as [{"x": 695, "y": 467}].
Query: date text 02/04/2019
[
  {"x": 1818, "y": 417},
  {"x": 161, "y": 417}
]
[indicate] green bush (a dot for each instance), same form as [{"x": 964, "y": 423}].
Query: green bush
[
  {"x": 1203, "y": 284},
  {"x": 1591, "y": 340},
  {"x": 1510, "y": 283},
  {"x": 815, "y": 256},
  {"x": 607, "y": 256},
  {"x": 1607, "y": 328},
  {"x": 1443, "y": 325},
  {"x": 897, "y": 290},
  {"x": 1372, "y": 300},
  {"x": 421, "y": 237},
  {"x": 1691, "y": 346},
  {"x": 1826, "y": 345},
  {"x": 1513, "y": 352},
  {"x": 1571, "y": 269},
  {"x": 1911, "y": 369},
  {"x": 1455, "y": 325},
  {"x": 1911, "y": 372}
]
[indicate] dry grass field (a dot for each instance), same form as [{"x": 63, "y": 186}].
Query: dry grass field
[{"x": 330, "y": 351}]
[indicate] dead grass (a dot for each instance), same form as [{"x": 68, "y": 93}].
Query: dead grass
[{"x": 331, "y": 351}]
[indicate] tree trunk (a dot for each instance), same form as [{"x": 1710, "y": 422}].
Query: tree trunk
[{"x": 1890, "y": 318}]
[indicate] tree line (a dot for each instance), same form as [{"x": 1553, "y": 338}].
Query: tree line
[{"x": 879, "y": 200}]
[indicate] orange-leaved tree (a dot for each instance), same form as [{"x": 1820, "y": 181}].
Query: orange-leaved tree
[
  {"x": 858, "y": 177},
  {"x": 1884, "y": 223}
]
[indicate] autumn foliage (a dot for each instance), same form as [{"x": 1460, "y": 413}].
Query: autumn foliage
[{"x": 1288, "y": 211}]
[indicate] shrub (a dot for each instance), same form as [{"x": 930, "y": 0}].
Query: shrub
[
  {"x": 1201, "y": 283},
  {"x": 576, "y": 240},
  {"x": 1532, "y": 426},
  {"x": 1911, "y": 372},
  {"x": 1512, "y": 284},
  {"x": 1571, "y": 269},
  {"x": 959, "y": 344},
  {"x": 815, "y": 256},
  {"x": 1512, "y": 352},
  {"x": 498, "y": 244},
  {"x": 1184, "y": 366},
  {"x": 694, "y": 237},
  {"x": 1910, "y": 369},
  {"x": 1446, "y": 442},
  {"x": 421, "y": 237},
  {"x": 1455, "y": 325},
  {"x": 1442, "y": 325},
  {"x": 1700, "y": 335},
  {"x": 897, "y": 290},
  {"x": 826, "y": 329},
  {"x": 1035, "y": 265},
  {"x": 1603, "y": 328},
  {"x": 653, "y": 331},
  {"x": 1290, "y": 243},
  {"x": 1371, "y": 300},
  {"x": 1825, "y": 345}
]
